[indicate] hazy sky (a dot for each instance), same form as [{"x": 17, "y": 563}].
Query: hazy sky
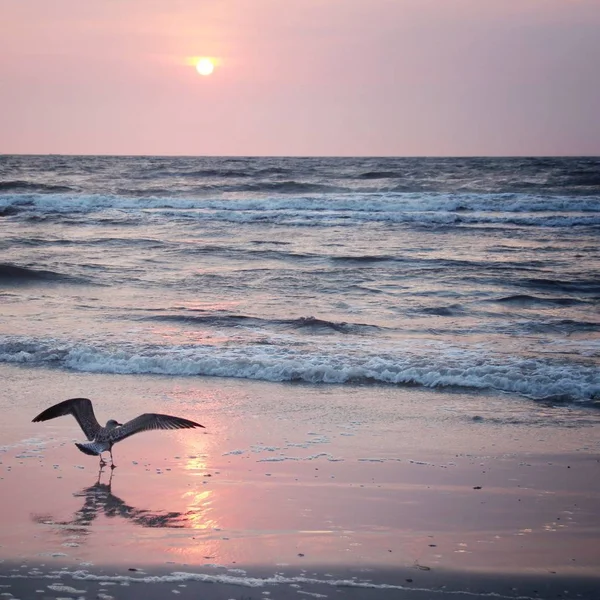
[{"x": 300, "y": 77}]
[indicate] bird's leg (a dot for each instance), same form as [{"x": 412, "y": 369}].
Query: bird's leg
[
  {"x": 102, "y": 461},
  {"x": 112, "y": 460}
]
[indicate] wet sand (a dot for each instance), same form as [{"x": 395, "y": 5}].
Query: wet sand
[{"x": 297, "y": 490}]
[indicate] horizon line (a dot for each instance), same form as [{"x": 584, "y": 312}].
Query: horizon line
[{"x": 307, "y": 156}]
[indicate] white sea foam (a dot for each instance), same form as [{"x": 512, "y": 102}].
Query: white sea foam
[
  {"x": 57, "y": 587},
  {"x": 429, "y": 365},
  {"x": 34, "y": 445},
  {"x": 179, "y": 577},
  {"x": 307, "y": 209},
  {"x": 283, "y": 457},
  {"x": 258, "y": 448}
]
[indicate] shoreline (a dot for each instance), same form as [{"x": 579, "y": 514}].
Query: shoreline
[
  {"x": 378, "y": 484},
  {"x": 217, "y": 582}
]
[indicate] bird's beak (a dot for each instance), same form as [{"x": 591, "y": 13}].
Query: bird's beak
[{"x": 120, "y": 424}]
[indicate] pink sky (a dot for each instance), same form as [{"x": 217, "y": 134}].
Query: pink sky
[{"x": 301, "y": 77}]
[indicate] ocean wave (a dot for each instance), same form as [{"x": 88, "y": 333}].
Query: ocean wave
[
  {"x": 353, "y": 201},
  {"x": 575, "y": 286},
  {"x": 213, "y": 172},
  {"x": 379, "y": 175},
  {"x": 564, "y": 326},
  {"x": 310, "y": 323},
  {"x": 443, "y": 311},
  {"x": 95, "y": 174},
  {"x": 349, "y": 364},
  {"x": 7, "y": 211},
  {"x": 286, "y": 187},
  {"x": 225, "y": 172},
  {"x": 527, "y": 300},
  {"x": 15, "y": 274},
  {"x": 298, "y": 205},
  {"x": 364, "y": 258},
  {"x": 33, "y": 186},
  {"x": 208, "y": 172}
]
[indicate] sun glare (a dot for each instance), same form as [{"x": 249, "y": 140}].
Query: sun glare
[{"x": 205, "y": 66}]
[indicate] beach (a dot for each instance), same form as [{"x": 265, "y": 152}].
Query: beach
[
  {"x": 395, "y": 361},
  {"x": 314, "y": 288},
  {"x": 408, "y": 494}
]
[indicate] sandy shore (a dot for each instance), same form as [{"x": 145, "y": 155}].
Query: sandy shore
[{"x": 297, "y": 490}]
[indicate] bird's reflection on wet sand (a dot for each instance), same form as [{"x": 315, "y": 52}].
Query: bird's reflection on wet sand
[{"x": 98, "y": 499}]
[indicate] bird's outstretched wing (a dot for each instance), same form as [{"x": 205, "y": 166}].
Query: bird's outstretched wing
[
  {"x": 149, "y": 421},
  {"x": 80, "y": 408}
]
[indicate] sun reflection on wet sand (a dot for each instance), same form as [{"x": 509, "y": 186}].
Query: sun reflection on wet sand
[
  {"x": 199, "y": 507},
  {"x": 195, "y": 463}
]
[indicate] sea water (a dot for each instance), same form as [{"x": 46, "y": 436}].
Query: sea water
[{"x": 463, "y": 273}]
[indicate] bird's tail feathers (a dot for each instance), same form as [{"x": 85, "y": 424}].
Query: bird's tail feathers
[{"x": 93, "y": 449}]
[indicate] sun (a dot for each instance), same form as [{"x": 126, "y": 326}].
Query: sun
[{"x": 205, "y": 66}]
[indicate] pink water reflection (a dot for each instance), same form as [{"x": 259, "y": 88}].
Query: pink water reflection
[{"x": 190, "y": 497}]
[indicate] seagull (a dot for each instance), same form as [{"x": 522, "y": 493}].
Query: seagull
[{"x": 104, "y": 438}]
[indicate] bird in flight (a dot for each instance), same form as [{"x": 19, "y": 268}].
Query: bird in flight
[{"x": 102, "y": 439}]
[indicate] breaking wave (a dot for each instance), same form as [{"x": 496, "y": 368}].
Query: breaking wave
[
  {"x": 306, "y": 204},
  {"x": 338, "y": 364}
]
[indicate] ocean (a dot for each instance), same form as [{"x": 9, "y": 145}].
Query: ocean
[{"x": 479, "y": 274}]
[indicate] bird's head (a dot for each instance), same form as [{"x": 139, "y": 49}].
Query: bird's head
[{"x": 111, "y": 424}]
